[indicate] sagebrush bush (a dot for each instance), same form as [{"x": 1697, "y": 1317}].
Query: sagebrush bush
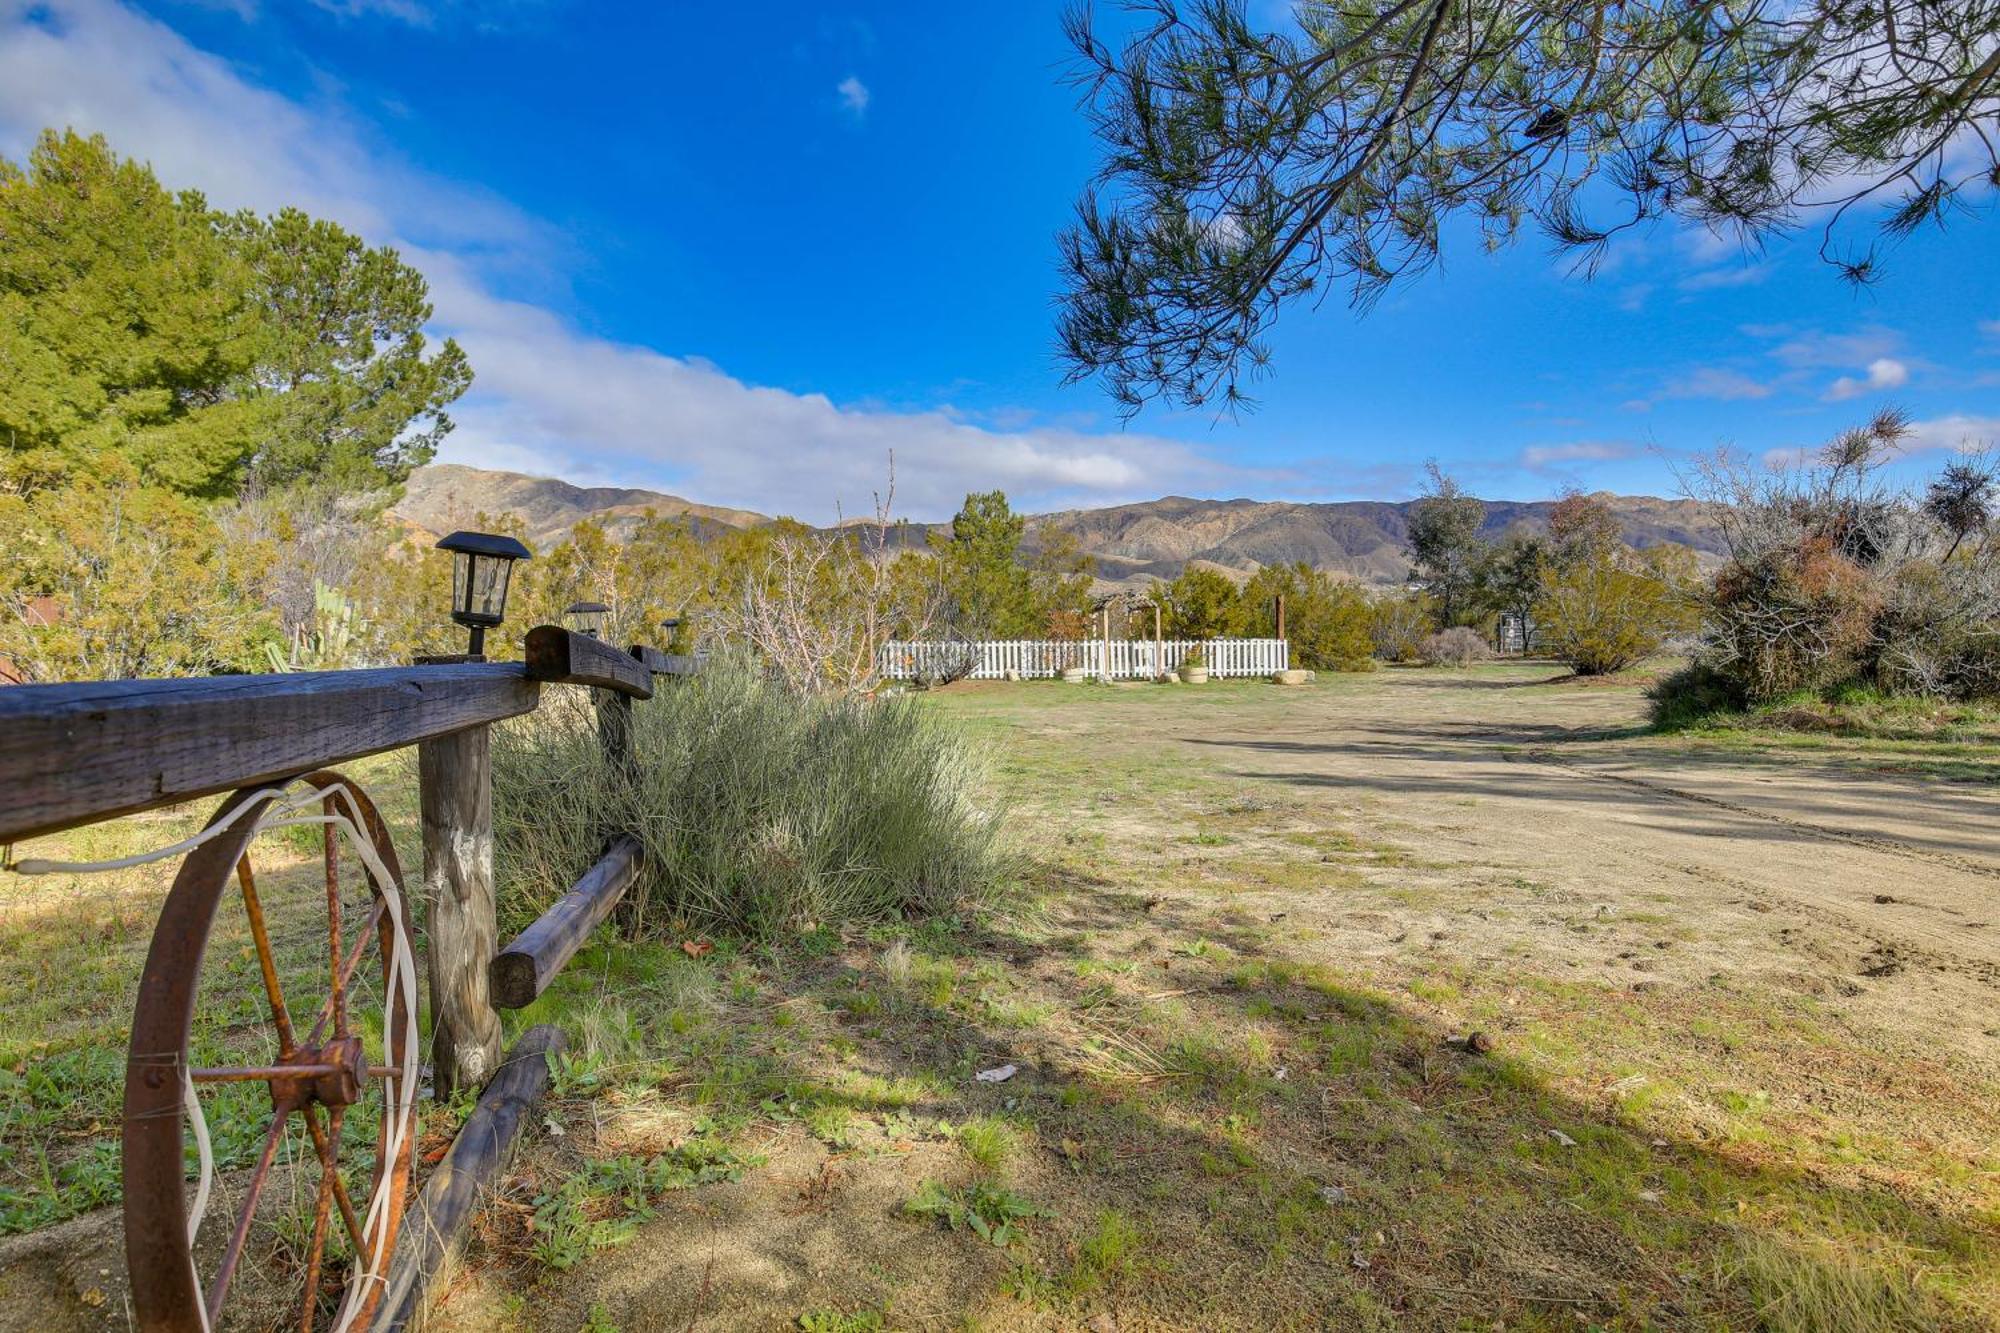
[
  {"x": 1459, "y": 646},
  {"x": 762, "y": 810}
]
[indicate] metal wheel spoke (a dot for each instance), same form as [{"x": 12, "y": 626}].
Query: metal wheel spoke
[
  {"x": 266, "y": 963},
  {"x": 322, "y": 1205},
  {"x": 317, "y": 1077},
  {"x": 346, "y": 972},
  {"x": 329, "y": 1157},
  {"x": 259, "y": 1073},
  {"x": 231, "y": 1256}
]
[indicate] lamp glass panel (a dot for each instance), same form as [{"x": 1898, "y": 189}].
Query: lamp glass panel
[{"x": 489, "y": 586}]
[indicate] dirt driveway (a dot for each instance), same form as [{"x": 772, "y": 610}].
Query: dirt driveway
[{"x": 1877, "y": 889}]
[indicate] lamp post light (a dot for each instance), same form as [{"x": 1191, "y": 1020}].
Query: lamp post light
[
  {"x": 480, "y": 565},
  {"x": 586, "y": 618}
]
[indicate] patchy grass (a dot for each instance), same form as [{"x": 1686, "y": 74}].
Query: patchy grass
[{"x": 1245, "y": 1096}]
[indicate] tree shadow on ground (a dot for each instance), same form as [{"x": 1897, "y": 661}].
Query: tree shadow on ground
[{"x": 1290, "y": 1149}]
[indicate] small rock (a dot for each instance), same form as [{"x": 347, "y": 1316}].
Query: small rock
[
  {"x": 1332, "y": 1195},
  {"x": 1480, "y": 1042},
  {"x": 1562, "y": 1138},
  {"x": 1649, "y": 1196},
  {"x": 1103, "y": 1323},
  {"x": 997, "y": 1075},
  {"x": 1883, "y": 898}
]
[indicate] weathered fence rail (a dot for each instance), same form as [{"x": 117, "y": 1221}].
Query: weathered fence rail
[
  {"x": 1116, "y": 659},
  {"x": 75, "y": 754}
]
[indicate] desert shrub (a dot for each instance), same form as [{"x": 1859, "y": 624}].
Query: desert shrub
[
  {"x": 1399, "y": 624},
  {"x": 1459, "y": 646},
  {"x": 1938, "y": 630},
  {"x": 1603, "y": 613},
  {"x": 1327, "y": 619},
  {"x": 762, "y": 809},
  {"x": 1799, "y": 618},
  {"x": 1835, "y": 577},
  {"x": 1331, "y": 627},
  {"x": 1694, "y": 695}
]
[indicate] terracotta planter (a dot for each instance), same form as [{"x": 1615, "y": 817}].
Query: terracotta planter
[{"x": 1195, "y": 675}]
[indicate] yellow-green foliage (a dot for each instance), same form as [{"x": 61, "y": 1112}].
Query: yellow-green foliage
[
  {"x": 1605, "y": 612},
  {"x": 1327, "y": 619},
  {"x": 110, "y": 579}
]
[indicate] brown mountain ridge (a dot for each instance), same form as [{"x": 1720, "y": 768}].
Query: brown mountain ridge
[{"x": 1367, "y": 540}]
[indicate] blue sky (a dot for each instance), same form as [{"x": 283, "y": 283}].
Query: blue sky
[{"x": 743, "y": 253}]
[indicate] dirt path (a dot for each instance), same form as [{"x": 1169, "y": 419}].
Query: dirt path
[{"x": 1877, "y": 889}]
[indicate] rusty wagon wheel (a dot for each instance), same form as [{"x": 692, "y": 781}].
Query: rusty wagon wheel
[{"x": 315, "y": 1071}]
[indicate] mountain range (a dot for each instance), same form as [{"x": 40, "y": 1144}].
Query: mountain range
[{"x": 1366, "y": 540}]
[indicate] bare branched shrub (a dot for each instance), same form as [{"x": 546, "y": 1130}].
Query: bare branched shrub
[
  {"x": 1398, "y": 624},
  {"x": 1834, "y": 575},
  {"x": 1459, "y": 646},
  {"x": 820, "y": 605}
]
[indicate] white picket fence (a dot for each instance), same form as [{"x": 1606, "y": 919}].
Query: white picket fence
[{"x": 1128, "y": 659}]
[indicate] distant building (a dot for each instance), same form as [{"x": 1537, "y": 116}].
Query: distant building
[{"x": 1516, "y": 634}]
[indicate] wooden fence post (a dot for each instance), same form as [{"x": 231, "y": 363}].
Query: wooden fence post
[
  {"x": 614, "y": 725},
  {"x": 455, "y": 777}
]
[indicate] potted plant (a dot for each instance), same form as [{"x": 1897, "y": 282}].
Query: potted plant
[{"x": 1194, "y": 667}]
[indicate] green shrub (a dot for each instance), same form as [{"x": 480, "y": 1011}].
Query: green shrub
[
  {"x": 1601, "y": 615},
  {"x": 1694, "y": 696},
  {"x": 761, "y": 810}
]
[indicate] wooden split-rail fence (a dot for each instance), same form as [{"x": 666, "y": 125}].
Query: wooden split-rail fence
[
  {"x": 77, "y": 754},
  {"x": 1112, "y": 659}
]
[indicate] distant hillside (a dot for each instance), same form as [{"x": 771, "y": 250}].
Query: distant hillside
[
  {"x": 447, "y": 496},
  {"x": 1367, "y": 540}
]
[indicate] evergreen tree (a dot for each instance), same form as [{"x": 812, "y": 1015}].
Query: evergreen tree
[
  {"x": 210, "y": 354},
  {"x": 1446, "y": 552},
  {"x": 1246, "y": 169},
  {"x": 1202, "y": 604},
  {"x": 355, "y": 401},
  {"x": 991, "y": 591},
  {"x": 125, "y": 326}
]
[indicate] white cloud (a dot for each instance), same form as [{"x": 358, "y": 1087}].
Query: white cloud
[
  {"x": 1580, "y": 451},
  {"x": 403, "y": 11},
  {"x": 548, "y": 398},
  {"x": 853, "y": 95},
  {"x": 1717, "y": 382},
  {"x": 1883, "y": 373},
  {"x": 1743, "y": 275},
  {"x": 1813, "y": 349},
  {"x": 1958, "y": 432}
]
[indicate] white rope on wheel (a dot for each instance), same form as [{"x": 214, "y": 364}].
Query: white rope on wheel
[{"x": 287, "y": 811}]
